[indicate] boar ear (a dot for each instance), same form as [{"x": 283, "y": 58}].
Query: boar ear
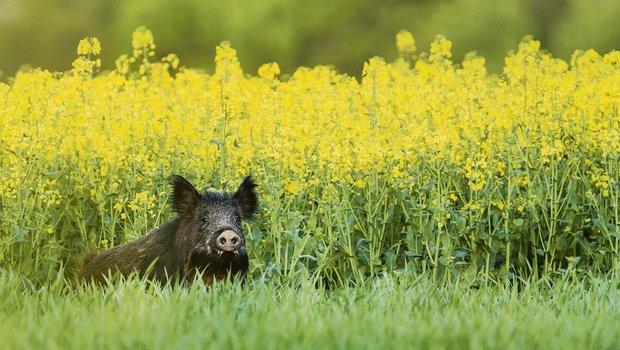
[
  {"x": 185, "y": 198},
  {"x": 246, "y": 198}
]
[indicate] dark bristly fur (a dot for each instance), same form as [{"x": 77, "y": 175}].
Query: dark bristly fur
[{"x": 186, "y": 245}]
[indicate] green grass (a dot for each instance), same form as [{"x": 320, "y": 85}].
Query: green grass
[{"x": 392, "y": 312}]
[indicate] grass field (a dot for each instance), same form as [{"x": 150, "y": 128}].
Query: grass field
[{"x": 388, "y": 313}]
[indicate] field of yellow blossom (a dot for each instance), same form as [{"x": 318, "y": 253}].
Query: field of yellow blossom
[{"x": 422, "y": 164}]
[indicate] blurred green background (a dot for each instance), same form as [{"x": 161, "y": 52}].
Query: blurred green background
[{"x": 342, "y": 33}]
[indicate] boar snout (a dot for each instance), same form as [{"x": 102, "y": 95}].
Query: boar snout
[{"x": 228, "y": 241}]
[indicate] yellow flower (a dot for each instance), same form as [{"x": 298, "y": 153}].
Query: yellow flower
[
  {"x": 499, "y": 204},
  {"x": 441, "y": 47},
  {"x": 118, "y": 207},
  {"x": 405, "y": 42},
  {"x": 360, "y": 183},
  {"x": 293, "y": 187},
  {"x": 89, "y": 46},
  {"x": 142, "y": 38},
  {"x": 269, "y": 71}
]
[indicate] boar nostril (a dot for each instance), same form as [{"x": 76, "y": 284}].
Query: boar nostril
[{"x": 228, "y": 241}]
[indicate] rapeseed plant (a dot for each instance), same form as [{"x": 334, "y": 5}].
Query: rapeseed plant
[{"x": 422, "y": 162}]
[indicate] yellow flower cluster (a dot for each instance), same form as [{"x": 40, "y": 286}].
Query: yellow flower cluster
[
  {"x": 89, "y": 46},
  {"x": 107, "y": 132},
  {"x": 405, "y": 42},
  {"x": 318, "y": 123},
  {"x": 84, "y": 64}
]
